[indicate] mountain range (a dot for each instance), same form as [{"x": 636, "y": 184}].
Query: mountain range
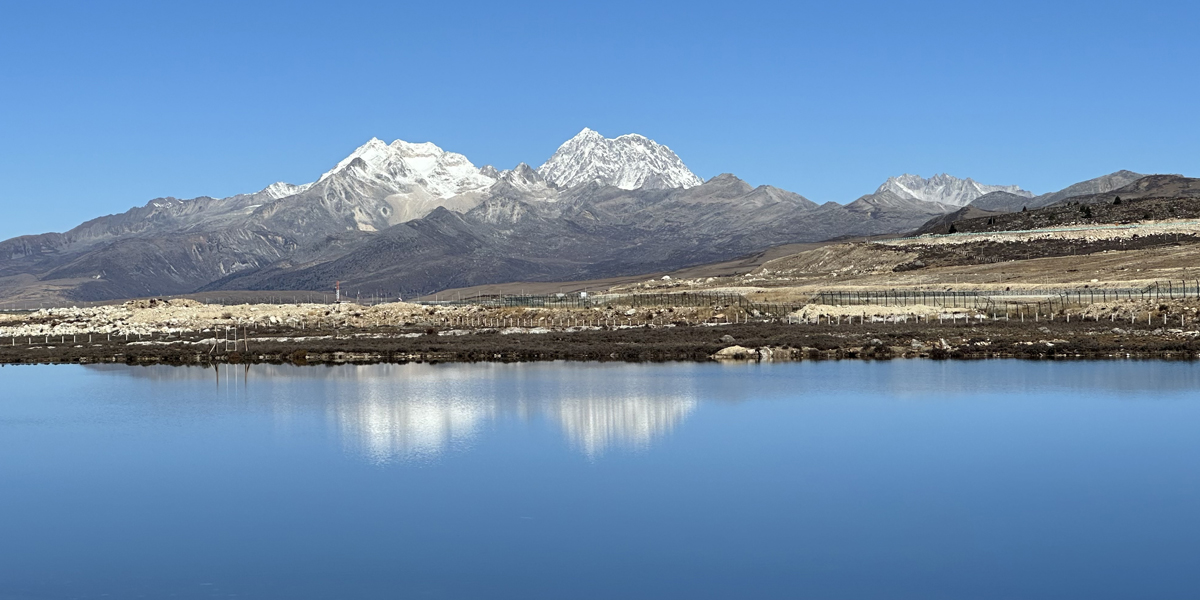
[
  {"x": 413, "y": 217},
  {"x": 1007, "y": 201}
]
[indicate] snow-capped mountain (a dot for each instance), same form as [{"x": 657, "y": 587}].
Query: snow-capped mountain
[
  {"x": 944, "y": 189},
  {"x": 377, "y": 186},
  {"x": 380, "y": 185},
  {"x": 628, "y": 162},
  {"x": 404, "y": 166},
  {"x": 524, "y": 178},
  {"x": 281, "y": 189},
  {"x": 416, "y": 217}
]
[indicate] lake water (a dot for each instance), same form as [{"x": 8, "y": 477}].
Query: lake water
[{"x": 902, "y": 479}]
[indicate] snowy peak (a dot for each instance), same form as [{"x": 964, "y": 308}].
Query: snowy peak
[
  {"x": 629, "y": 162},
  {"x": 588, "y": 134},
  {"x": 526, "y": 180},
  {"x": 281, "y": 189},
  {"x": 404, "y": 166},
  {"x": 944, "y": 189},
  {"x": 522, "y": 175},
  {"x": 374, "y": 152}
]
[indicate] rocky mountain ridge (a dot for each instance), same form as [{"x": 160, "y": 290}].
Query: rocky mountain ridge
[
  {"x": 413, "y": 216},
  {"x": 1152, "y": 202},
  {"x": 944, "y": 189},
  {"x": 1003, "y": 201}
]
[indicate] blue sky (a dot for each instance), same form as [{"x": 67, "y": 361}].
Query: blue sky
[{"x": 104, "y": 106}]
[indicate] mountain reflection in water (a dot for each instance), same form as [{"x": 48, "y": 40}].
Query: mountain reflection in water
[
  {"x": 388, "y": 413},
  {"x": 824, "y": 479},
  {"x": 386, "y": 428}
]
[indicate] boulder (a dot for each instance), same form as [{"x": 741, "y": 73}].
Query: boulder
[{"x": 735, "y": 353}]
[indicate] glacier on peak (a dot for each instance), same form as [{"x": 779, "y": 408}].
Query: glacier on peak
[
  {"x": 402, "y": 165},
  {"x": 630, "y": 161},
  {"x": 944, "y": 189}
]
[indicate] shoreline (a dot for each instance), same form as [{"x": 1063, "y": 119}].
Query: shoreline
[{"x": 754, "y": 341}]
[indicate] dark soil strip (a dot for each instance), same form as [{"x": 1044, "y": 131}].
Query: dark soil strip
[{"x": 873, "y": 341}]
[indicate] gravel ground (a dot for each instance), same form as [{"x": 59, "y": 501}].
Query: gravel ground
[{"x": 1103, "y": 335}]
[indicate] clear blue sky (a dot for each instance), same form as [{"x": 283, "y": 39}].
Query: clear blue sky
[{"x": 105, "y": 105}]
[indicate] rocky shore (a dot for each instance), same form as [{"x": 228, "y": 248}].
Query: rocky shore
[{"x": 185, "y": 332}]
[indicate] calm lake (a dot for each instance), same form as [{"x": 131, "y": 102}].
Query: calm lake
[{"x": 902, "y": 479}]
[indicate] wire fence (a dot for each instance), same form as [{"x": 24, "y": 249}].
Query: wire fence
[
  {"x": 963, "y": 299},
  {"x": 996, "y": 302},
  {"x": 1042, "y": 301},
  {"x": 1171, "y": 290}
]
